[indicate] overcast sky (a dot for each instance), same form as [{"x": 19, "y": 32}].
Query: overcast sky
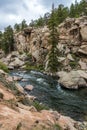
[{"x": 14, "y": 11}]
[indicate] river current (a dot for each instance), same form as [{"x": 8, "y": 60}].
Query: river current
[{"x": 71, "y": 103}]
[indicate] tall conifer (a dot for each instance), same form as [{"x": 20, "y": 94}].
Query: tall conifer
[{"x": 54, "y": 36}]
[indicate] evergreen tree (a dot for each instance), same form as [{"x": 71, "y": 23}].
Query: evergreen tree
[
  {"x": 72, "y": 11},
  {"x": 83, "y": 7},
  {"x": 62, "y": 13},
  {"x": 53, "y": 54},
  {"x": 0, "y": 39},
  {"x": 17, "y": 27},
  {"x": 23, "y": 24},
  {"x": 8, "y": 40}
]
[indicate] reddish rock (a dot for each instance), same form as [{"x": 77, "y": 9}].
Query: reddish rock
[{"x": 29, "y": 87}]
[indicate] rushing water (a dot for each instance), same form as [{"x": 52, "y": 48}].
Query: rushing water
[{"x": 72, "y": 103}]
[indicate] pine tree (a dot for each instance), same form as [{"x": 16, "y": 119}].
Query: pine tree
[
  {"x": 17, "y": 27},
  {"x": 8, "y": 40},
  {"x": 62, "y": 13},
  {"x": 23, "y": 24},
  {"x": 53, "y": 54}
]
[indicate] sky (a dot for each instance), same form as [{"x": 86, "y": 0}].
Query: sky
[{"x": 14, "y": 11}]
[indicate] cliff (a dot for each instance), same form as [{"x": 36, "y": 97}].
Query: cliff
[{"x": 72, "y": 43}]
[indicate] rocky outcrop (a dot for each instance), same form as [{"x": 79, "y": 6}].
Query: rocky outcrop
[
  {"x": 15, "y": 60},
  {"x": 34, "y": 42}
]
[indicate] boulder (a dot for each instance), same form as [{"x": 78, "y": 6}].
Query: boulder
[
  {"x": 73, "y": 79},
  {"x": 83, "y": 32},
  {"x": 23, "y": 57},
  {"x": 9, "y": 79},
  {"x": 20, "y": 88},
  {"x": 28, "y": 108},
  {"x": 2, "y": 72},
  {"x": 28, "y": 87},
  {"x": 10, "y": 67},
  {"x": 16, "y": 78},
  {"x": 66, "y": 123},
  {"x": 30, "y": 98},
  {"x": 83, "y": 49},
  {"x": 16, "y": 63},
  {"x": 83, "y": 65},
  {"x": 69, "y": 56}
]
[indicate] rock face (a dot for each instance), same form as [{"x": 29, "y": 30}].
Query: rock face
[{"x": 34, "y": 42}]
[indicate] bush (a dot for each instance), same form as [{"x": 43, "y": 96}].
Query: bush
[
  {"x": 34, "y": 67},
  {"x": 3, "y": 67},
  {"x": 73, "y": 64},
  {"x": 39, "y": 106}
]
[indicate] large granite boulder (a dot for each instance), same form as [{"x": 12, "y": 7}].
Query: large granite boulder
[
  {"x": 16, "y": 63},
  {"x": 73, "y": 79}
]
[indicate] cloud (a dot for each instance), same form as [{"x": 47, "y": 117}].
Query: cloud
[{"x": 14, "y": 11}]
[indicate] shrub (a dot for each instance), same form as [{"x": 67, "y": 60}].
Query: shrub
[
  {"x": 73, "y": 64},
  {"x": 39, "y": 106},
  {"x": 3, "y": 67}
]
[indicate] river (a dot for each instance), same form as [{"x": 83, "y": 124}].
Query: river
[{"x": 71, "y": 103}]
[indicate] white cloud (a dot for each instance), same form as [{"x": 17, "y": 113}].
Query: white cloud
[
  {"x": 12, "y": 12},
  {"x": 26, "y": 10}
]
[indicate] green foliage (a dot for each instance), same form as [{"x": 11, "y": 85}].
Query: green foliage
[
  {"x": 23, "y": 24},
  {"x": 54, "y": 36},
  {"x": 39, "y": 106},
  {"x": 8, "y": 40},
  {"x": 3, "y": 67},
  {"x": 78, "y": 9},
  {"x": 20, "y": 26},
  {"x": 0, "y": 38},
  {"x": 56, "y": 127},
  {"x": 34, "y": 67},
  {"x": 37, "y": 23},
  {"x": 61, "y": 13},
  {"x": 73, "y": 64},
  {"x": 17, "y": 27}
]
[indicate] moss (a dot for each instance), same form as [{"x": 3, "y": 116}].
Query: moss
[{"x": 4, "y": 67}]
